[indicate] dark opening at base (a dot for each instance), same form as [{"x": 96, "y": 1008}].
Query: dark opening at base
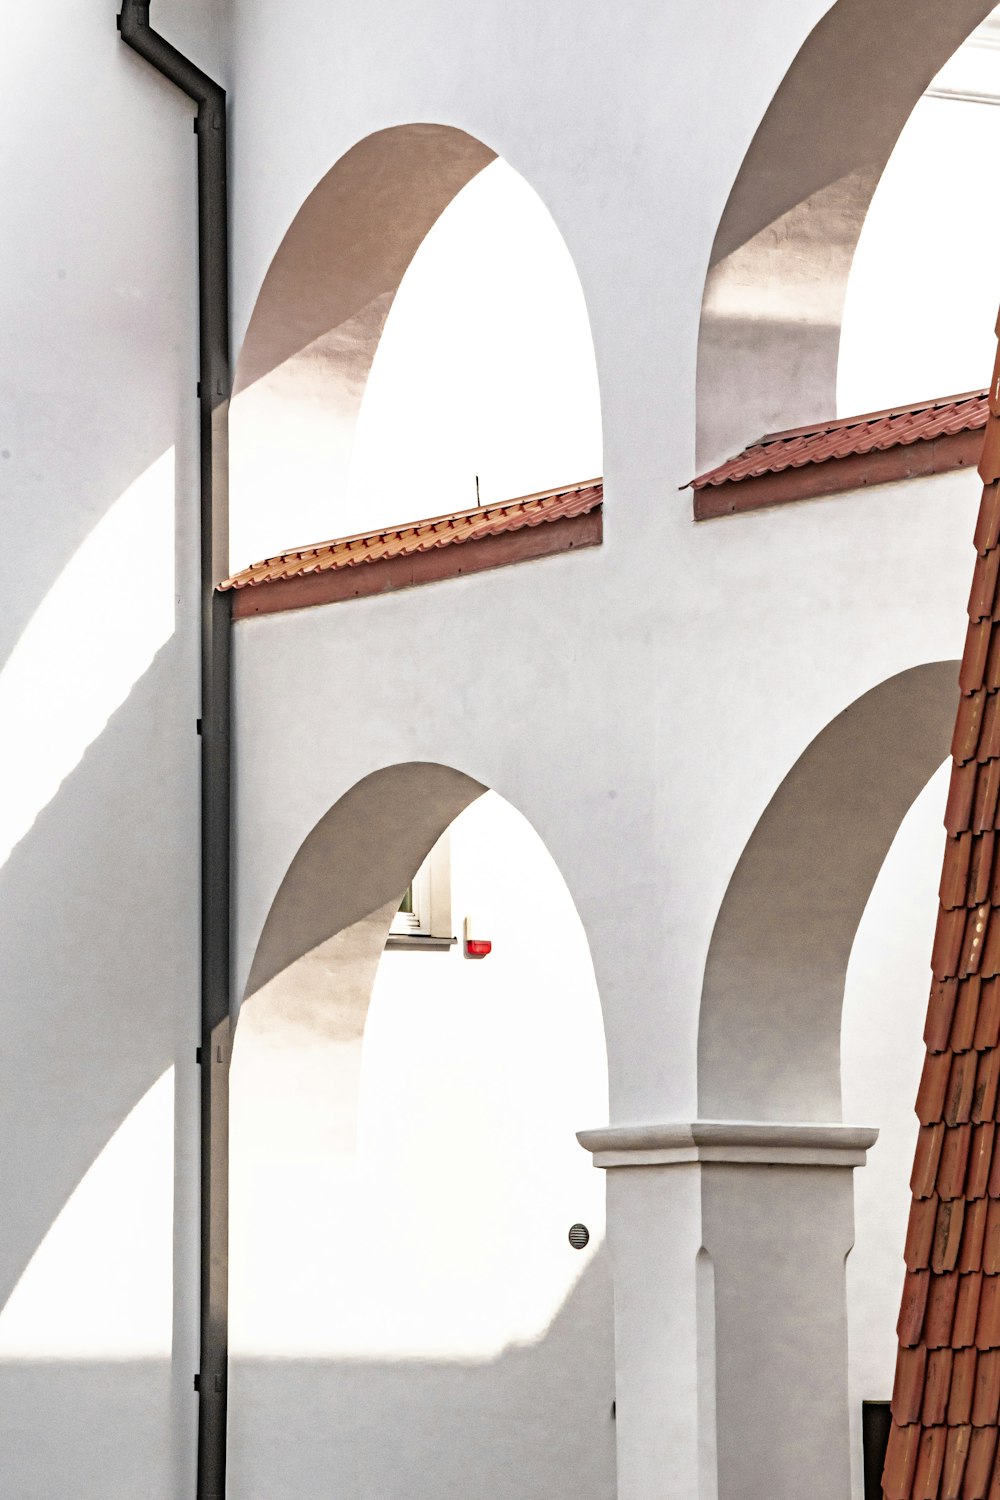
[{"x": 875, "y": 1423}]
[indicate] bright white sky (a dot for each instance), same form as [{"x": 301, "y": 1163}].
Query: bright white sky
[
  {"x": 925, "y": 284},
  {"x": 486, "y": 366}
]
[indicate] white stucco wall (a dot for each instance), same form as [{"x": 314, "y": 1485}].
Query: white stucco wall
[
  {"x": 638, "y": 703},
  {"x": 403, "y": 1186},
  {"x": 98, "y": 698}
]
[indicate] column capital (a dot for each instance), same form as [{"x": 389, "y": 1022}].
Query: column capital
[{"x": 748, "y": 1142}]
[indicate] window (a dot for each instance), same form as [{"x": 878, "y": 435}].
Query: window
[{"x": 424, "y": 916}]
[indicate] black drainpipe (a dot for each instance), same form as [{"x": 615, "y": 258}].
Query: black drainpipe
[{"x": 214, "y": 727}]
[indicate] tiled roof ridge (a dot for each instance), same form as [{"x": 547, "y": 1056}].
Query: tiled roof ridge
[
  {"x": 395, "y": 540},
  {"x": 846, "y": 437},
  {"x": 944, "y": 1435}
]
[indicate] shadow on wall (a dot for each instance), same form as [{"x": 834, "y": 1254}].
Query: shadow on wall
[
  {"x": 413, "y": 1430},
  {"x": 88, "y": 1037},
  {"x": 301, "y": 373},
  {"x": 770, "y": 327},
  {"x": 400, "y": 1250},
  {"x": 534, "y": 1422},
  {"x": 362, "y": 854},
  {"x": 99, "y": 1429},
  {"x": 769, "y": 1040}
]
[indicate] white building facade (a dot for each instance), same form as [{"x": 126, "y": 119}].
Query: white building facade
[{"x": 691, "y": 773}]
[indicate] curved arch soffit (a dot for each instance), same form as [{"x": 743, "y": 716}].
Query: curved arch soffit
[
  {"x": 769, "y": 1035},
  {"x": 303, "y": 368},
  {"x": 358, "y": 861},
  {"x": 337, "y": 264},
  {"x": 770, "y": 325}
]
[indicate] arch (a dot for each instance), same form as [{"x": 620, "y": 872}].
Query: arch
[
  {"x": 771, "y": 311},
  {"x": 770, "y": 1025},
  {"x": 395, "y": 815},
  {"x": 336, "y": 259},
  {"x": 304, "y": 463},
  {"x": 400, "y": 1209}
]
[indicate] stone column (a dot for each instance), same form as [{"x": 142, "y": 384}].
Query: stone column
[{"x": 729, "y": 1241}]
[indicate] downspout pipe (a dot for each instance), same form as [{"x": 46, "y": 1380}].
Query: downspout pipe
[{"x": 214, "y": 727}]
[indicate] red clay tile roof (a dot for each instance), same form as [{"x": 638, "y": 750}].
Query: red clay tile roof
[
  {"x": 943, "y": 1439},
  {"x": 458, "y": 527},
  {"x": 941, "y": 435}
]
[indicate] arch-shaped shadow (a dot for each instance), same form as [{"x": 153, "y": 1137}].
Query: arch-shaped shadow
[
  {"x": 337, "y": 258},
  {"x": 305, "y": 360},
  {"x": 769, "y": 1038},
  {"x": 431, "y": 1285},
  {"x": 303, "y": 460},
  {"x": 770, "y": 325},
  {"x": 396, "y": 815}
]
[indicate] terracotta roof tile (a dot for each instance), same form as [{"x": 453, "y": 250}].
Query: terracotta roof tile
[
  {"x": 927, "y": 1479},
  {"x": 988, "y": 523},
  {"x": 937, "y": 1385},
  {"x": 988, "y": 1020},
  {"x": 939, "y": 1314},
  {"x": 925, "y": 1163},
  {"x": 976, "y": 928},
  {"x": 975, "y": 657},
  {"x": 981, "y": 865},
  {"x": 901, "y": 1461},
  {"x": 980, "y": 1463},
  {"x": 933, "y": 1085},
  {"x": 989, "y": 730},
  {"x": 947, "y": 1235},
  {"x": 973, "y": 1230},
  {"x": 954, "y": 1161},
  {"x": 989, "y": 462},
  {"x": 958, "y": 854},
  {"x": 987, "y": 1393},
  {"x": 369, "y": 548},
  {"x": 839, "y": 444},
  {"x": 987, "y": 1078},
  {"x": 990, "y": 963},
  {"x": 963, "y": 1330},
  {"x": 920, "y": 1234},
  {"x": 893, "y": 428},
  {"x": 940, "y": 1011},
  {"x": 991, "y": 1240},
  {"x": 984, "y": 584},
  {"x": 963, "y": 1027},
  {"x": 916, "y": 1287},
  {"x": 956, "y": 1455},
  {"x": 963, "y": 1385},
  {"x": 944, "y": 1438},
  {"x": 980, "y": 1161},
  {"x": 961, "y": 794}
]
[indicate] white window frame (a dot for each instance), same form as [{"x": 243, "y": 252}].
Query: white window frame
[{"x": 429, "y": 924}]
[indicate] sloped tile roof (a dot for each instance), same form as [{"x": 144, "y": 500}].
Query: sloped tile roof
[
  {"x": 455, "y": 528},
  {"x": 846, "y": 454},
  {"x": 943, "y": 1438}
]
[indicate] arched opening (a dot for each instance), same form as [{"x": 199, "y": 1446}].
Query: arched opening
[
  {"x": 420, "y": 345},
  {"x": 821, "y": 950},
  {"x": 769, "y": 1035},
  {"x": 406, "y": 1309},
  {"x": 770, "y": 334}
]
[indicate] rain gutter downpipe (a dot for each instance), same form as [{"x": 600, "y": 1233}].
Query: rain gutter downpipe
[{"x": 214, "y": 727}]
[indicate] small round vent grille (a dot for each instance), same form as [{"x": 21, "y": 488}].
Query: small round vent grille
[{"x": 579, "y": 1236}]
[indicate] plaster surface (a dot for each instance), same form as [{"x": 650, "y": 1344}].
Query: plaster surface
[{"x": 640, "y": 704}]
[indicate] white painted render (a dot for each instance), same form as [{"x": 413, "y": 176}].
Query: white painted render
[
  {"x": 639, "y": 704},
  {"x": 405, "y": 1174}
]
